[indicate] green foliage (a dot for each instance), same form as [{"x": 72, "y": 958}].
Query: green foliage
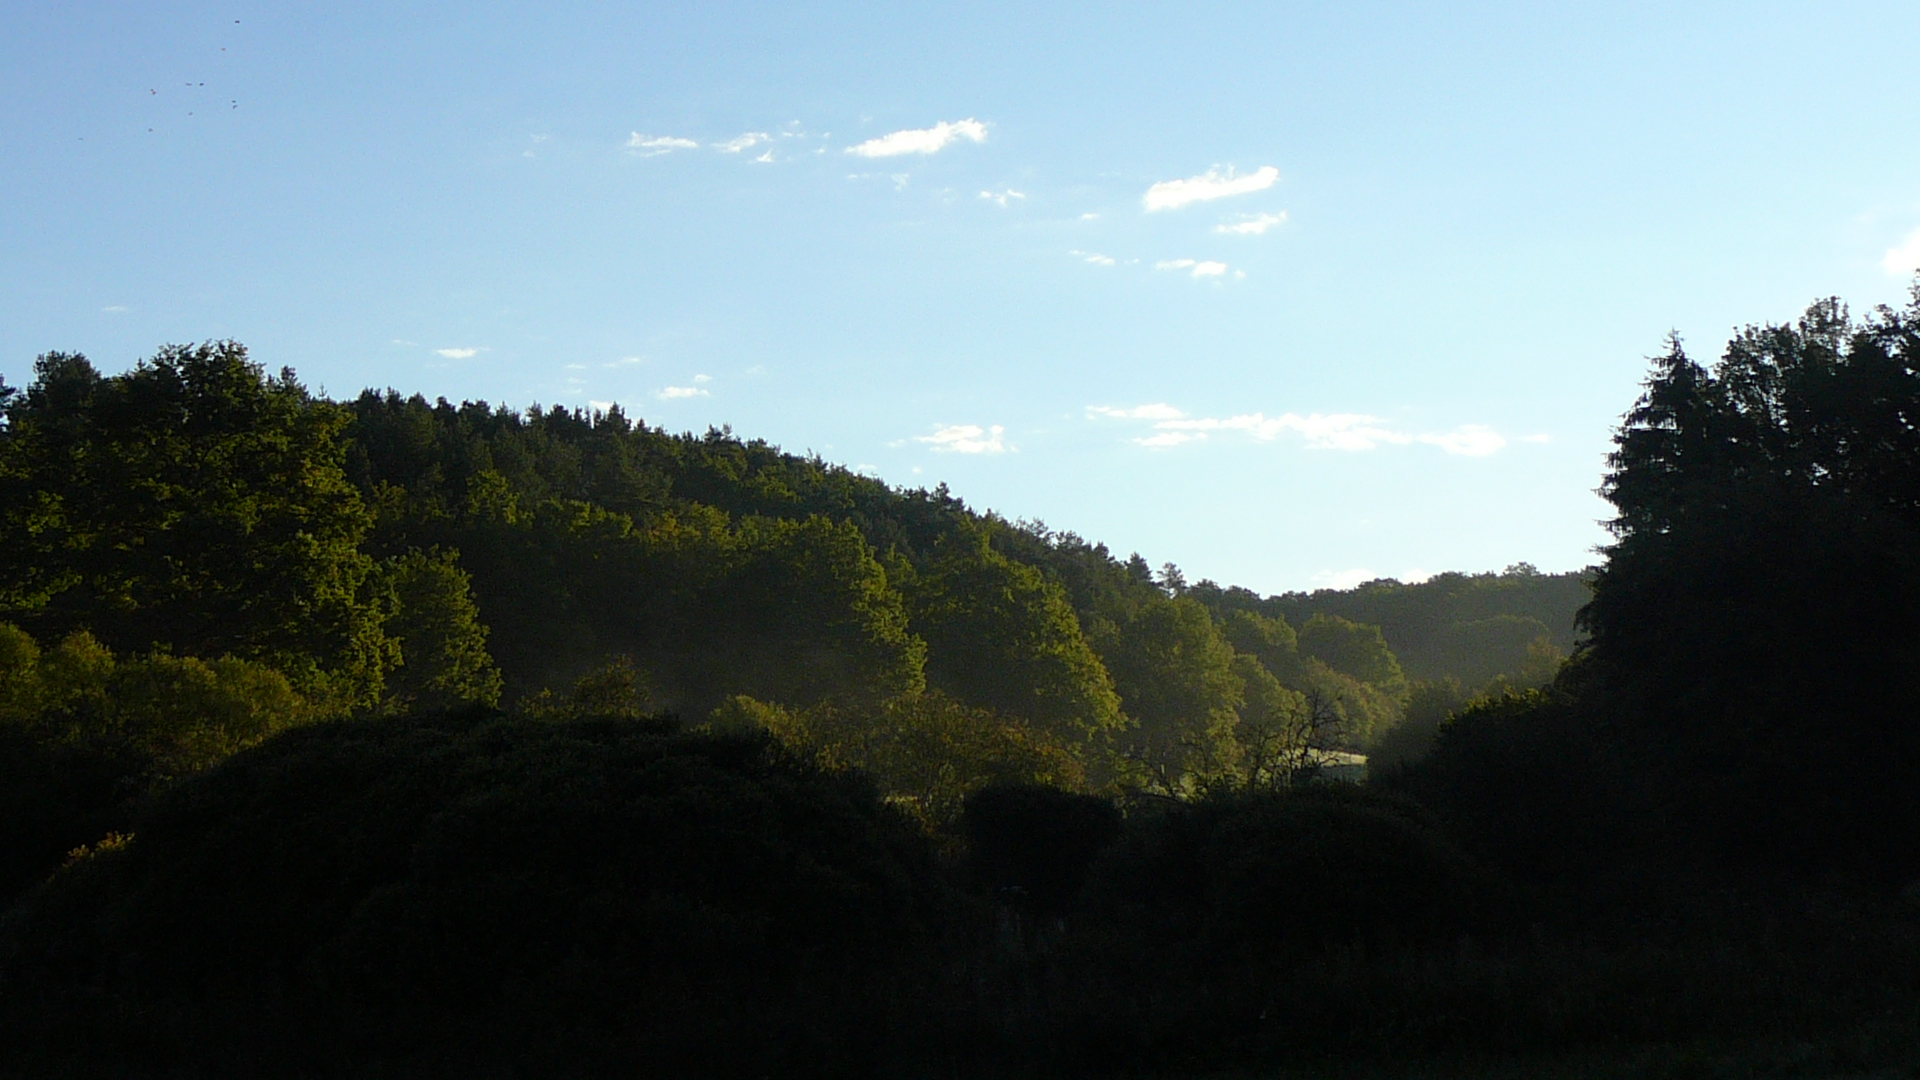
[
  {"x": 1352, "y": 649},
  {"x": 1515, "y": 646},
  {"x": 1176, "y": 680},
  {"x": 1270, "y": 641},
  {"x": 1429, "y": 705},
  {"x": 179, "y": 713},
  {"x": 1438, "y": 627},
  {"x": 192, "y": 503},
  {"x": 83, "y": 732},
  {"x": 443, "y": 645},
  {"x": 462, "y": 895},
  {"x": 926, "y": 751},
  {"x": 1001, "y": 635},
  {"x": 1529, "y": 783},
  {"x": 1752, "y": 632},
  {"x": 803, "y": 612},
  {"x": 614, "y": 690},
  {"x": 1277, "y": 732}
]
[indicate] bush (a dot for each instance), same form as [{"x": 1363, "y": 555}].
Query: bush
[
  {"x": 1197, "y": 925},
  {"x": 1529, "y": 782},
  {"x": 474, "y": 895},
  {"x": 1036, "y": 839}
]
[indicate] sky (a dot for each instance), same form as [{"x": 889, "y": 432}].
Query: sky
[{"x": 1291, "y": 295}]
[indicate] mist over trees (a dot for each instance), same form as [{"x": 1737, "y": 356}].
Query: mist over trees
[{"x": 396, "y": 737}]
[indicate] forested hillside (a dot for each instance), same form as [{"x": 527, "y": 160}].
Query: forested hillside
[
  {"x": 387, "y": 553},
  {"x": 396, "y": 737}
]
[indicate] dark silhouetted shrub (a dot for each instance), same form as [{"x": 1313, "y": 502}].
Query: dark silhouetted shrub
[
  {"x": 1036, "y": 840},
  {"x": 479, "y": 895}
]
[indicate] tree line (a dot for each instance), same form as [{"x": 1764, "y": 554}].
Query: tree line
[{"x": 387, "y": 554}]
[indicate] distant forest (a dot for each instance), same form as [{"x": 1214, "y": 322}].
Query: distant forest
[
  {"x": 402, "y": 737},
  {"x": 388, "y": 553}
]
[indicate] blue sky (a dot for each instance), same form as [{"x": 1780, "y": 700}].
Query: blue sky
[{"x": 1290, "y": 295}]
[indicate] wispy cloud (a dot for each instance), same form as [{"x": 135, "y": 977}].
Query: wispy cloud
[
  {"x": 1198, "y": 268},
  {"x": 1905, "y": 258},
  {"x": 1251, "y": 224},
  {"x": 741, "y": 142},
  {"x": 1467, "y": 440},
  {"x": 114, "y": 309},
  {"x": 1213, "y": 184},
  {"x": 1158, "y": 411},
  {"x": 766, "y": 158},
  {"x": 462, "y": 353},
  {"x": 1344, "y": 579},
  {"x": 655, "y": 145},
  {"x": 1003, "y": 197},
  {"x": 965, "y": 439},
  {"x": 921, "y": 140},
  {"x": 1318, "y": 431},
  {"x": 674, "y": 393},
  {"x": 1094, "y": 257}
]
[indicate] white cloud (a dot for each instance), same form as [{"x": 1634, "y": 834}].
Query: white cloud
[
  {"x": 1089, "y": 217},
  {"x": 1094, "y": 257},
  {"x": 672, "y": 393},
  {"x": 1318, "y": 431},
  {"x": 921, "y": 140},
  {"x": 1541, "y": 438},
  {"x": 965, "y": 439},
  {"x": 741, "y": 142},
  {"x": 114, "y": 309},
  {"x": 458, "y": 354},
  {"x": 1208, "y": 268},
  {"x": 1344, "y": 579},
  {"x": 1157, "y": 411},
  {"x": 1169, "y": 438},
  {"x": 1468, "y": 440},
  {"x": 600, "y": 406},
  {"x": 1252, "y": 224},
  {"x": 1344, "y": 432},
  {"x": 703, "y": 378},
  {"x": 576, "y": 367},
  {"x": 1904, "y": 259},
  {"x": 1169, "y": 194},
  {"x": 1003, "y": 197},
  {"x": 766, "y": 158},
  {"x": 655, "y": 145}
]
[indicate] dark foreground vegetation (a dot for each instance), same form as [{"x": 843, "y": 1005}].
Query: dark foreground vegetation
[{"x": 387, "y": 738}]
